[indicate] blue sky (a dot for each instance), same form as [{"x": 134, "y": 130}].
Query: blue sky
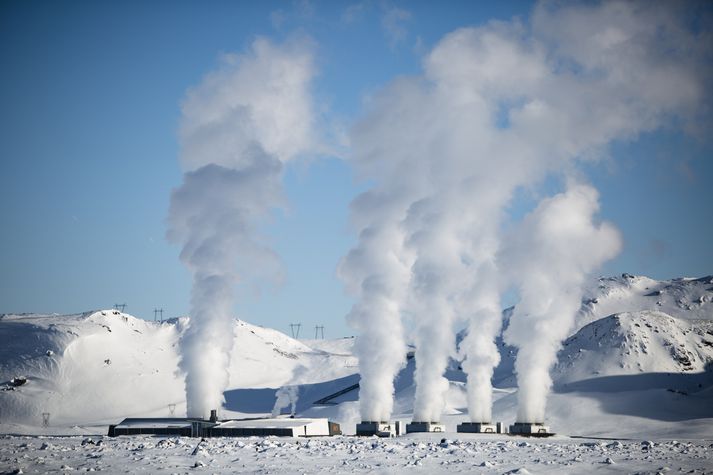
[{"x": 91, "y": 95}]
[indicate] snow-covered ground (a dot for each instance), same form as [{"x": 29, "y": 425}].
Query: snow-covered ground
[
  {"x": 419, "y": 453},
  {"x": 637, "y": 367}
]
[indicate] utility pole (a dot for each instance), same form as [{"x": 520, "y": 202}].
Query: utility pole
[
  {"x": 320, "y": 329},
  {"x": 295, "y": 330}
]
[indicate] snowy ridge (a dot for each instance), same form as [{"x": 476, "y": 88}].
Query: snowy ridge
[
  {"x": 632, "y": 342},
  {"x": 684, "y": 298}
]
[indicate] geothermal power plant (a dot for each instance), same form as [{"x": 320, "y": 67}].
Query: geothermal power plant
[
  {"x": 303, "y": 427},
  {"x": 397, "y": 428}
]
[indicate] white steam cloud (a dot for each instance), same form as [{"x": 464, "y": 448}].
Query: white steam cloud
[
  {"x": 481, "y": 355},
  {"x": 286, "y": 396},
  {"x": 497, "y": 109},
  {"x": 551, "y": 254},
  {"x": 238, "y": 128},
  {"x": 377, "y": 273}
]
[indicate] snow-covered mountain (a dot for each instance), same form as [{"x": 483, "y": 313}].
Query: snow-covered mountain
[
  {"x": 636, "y": 342},
  {"x": 684, "y": 298},
  {"x": 104, "y": 365},
  {"x": 621, "y": 324},
  {"x": 641, "y": 351}
]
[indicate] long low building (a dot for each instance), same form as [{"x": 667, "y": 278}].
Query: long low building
[
  {"x": 164, "y": 426},
  {"x": 286, "y": 427}
]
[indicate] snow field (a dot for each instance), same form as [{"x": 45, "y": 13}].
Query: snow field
[{"x": 423, "y": 453}]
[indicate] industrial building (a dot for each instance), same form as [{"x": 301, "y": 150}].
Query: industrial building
[
  {"x": 165, "y": 426},
  {"x": 481, "y": 428},
  {"x": 286, "y": 427},
  {"x": 380, "y": 429},
  {"x": 417, "y": 426},
  {"x": 530, "y": 429}
]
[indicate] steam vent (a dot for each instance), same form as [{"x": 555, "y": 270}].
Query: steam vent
[
  {"x": 531, "y": 429},
  {"x": 380, "y": 429},
  {"x": 416, "y": 426},
  {"x": 482, "y": 428}
]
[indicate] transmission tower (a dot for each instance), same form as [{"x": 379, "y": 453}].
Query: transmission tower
[
  {"x": 319, "y": 329},
  {"x": 157, "y": 311},
  {"x": 120, "y": 307},
  {"x": 295, "y": 329}
]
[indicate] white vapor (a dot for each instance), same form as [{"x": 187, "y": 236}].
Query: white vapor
[
  {"x": 497, "y": 109},
  {"x": 376, "y": 272},
  {"x": 551, "y": 254},
  {"x": 478, "y": 349},
  {"x": 238, "y": 128},
  {"x": 286, "y": 396}
]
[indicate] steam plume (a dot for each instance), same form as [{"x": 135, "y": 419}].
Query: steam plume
[
  {"x": 497, "y": 108},
  {"x": 377, "y": 273},
  {"x": 284, "y": 397},
  {"x": 556, "y": 248},
  {"x": 478, "y": 349},
  {"x": 238, "y": 128}
]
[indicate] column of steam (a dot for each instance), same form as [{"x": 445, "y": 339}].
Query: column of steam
[
  {"x": 557, "y": 247},
  {"x": 494, "y": 102},
  {"x": 478, "y": 348},
  {"x": 238, "y": 127},
  {"x": 377, "y": 271},
  {"x": 455, "y": 279},
  {"x": 476, "y": 296},
  {"x": 435, "y": 276}
]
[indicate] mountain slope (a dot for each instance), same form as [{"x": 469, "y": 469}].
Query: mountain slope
[
  {"x": 101, "y": 366},
  {"x": 684, "y": 298},
  {"x": 636, "y": 342}
]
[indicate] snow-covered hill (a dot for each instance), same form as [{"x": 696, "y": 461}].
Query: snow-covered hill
[
  {"x": 101, "y": 366},
  {"x": 663, "y": 310},
  {"x": 639, "y": 360},
  {"x": 684, "y": 298},
  {"x": 636, "y": 342}
]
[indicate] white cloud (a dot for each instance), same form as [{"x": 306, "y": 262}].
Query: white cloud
[
  {"x": 393, "y": 22},
  {"x": 354, "y": 12},
  {"x": 278, "y": 18}
]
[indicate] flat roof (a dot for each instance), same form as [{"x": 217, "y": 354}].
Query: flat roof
[
  {"x": 155, "y": 423},
  {"x": 274, "y": 423},
  {"x": 266, "y": 423}
]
